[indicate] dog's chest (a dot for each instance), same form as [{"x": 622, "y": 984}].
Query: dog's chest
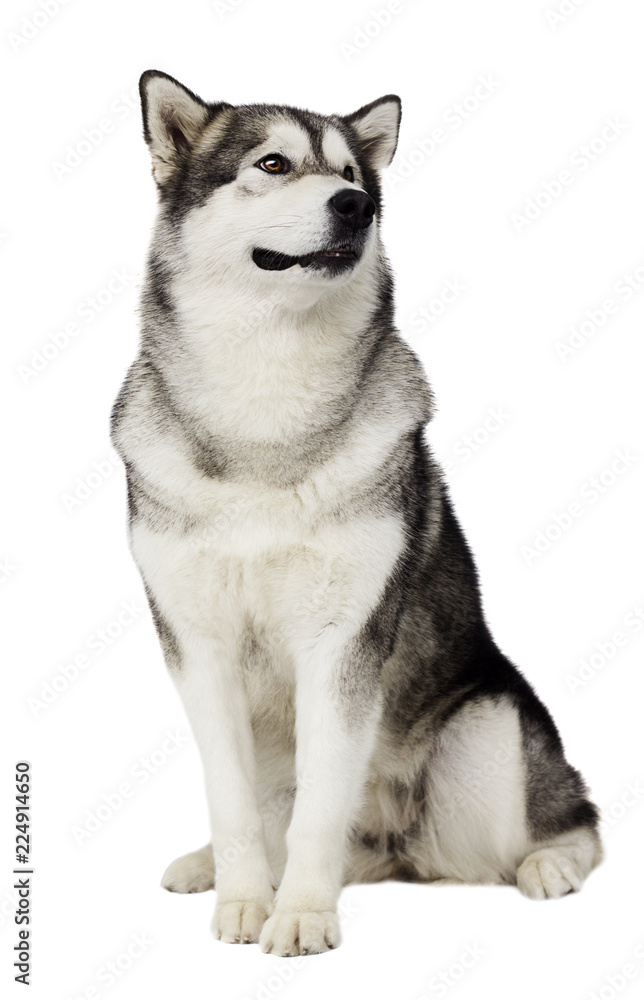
[{"x": 268, "y": 563}]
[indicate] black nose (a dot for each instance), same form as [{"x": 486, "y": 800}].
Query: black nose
[{"x": 355, "y": 208}]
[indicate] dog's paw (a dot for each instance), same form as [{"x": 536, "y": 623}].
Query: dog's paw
[
  {"x": 239, "y": 921},
  {"x": 549, "y": 874},
  {"x": 191, "y": 873},
  {"x": 305, "y": 932}
]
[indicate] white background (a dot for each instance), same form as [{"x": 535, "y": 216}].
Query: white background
[{"x": 67, "y": 571}]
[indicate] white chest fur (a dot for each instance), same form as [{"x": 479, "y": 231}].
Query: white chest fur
[{"x": 265, "y": 561}]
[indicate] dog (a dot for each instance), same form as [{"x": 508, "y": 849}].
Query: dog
[{"x": 317, "y": 604}]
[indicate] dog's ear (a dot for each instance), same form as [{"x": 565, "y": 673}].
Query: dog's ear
[
  {"x": 377, "y": 125},
  {"x": 172, "y": 118}
]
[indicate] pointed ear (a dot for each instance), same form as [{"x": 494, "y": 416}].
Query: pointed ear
[
  {"x": 377, "y": 125},
  {"x": 172, "y": 118}
]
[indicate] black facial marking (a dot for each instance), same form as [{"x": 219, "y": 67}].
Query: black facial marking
[
  {"x": 205, "y": 170},
  {"x": 244, "y": 128},
  {"x": 313, "y": 124}
]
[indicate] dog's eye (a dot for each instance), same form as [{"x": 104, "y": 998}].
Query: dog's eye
[
  {"x": 347, "y": 173},
  {"x": 273, "y": 164}
]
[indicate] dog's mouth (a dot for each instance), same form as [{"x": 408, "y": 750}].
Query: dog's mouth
[{"x": 336, "y": 258}]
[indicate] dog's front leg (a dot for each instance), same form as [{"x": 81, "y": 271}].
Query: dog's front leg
[
  {"x": 337, "y": 711},
  {"x": 212, "y": 689}
]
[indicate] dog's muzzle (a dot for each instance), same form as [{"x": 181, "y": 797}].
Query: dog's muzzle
[{"x": 352, "y": 213}]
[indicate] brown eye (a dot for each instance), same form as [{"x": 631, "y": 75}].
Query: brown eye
[
  {"x": 273, "y": 164},
  {"x": 347, "y": 173}
]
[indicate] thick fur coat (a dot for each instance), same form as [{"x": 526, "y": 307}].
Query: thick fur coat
[{"x": 313, "y": 593}]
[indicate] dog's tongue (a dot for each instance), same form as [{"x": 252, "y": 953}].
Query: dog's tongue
[{"x": 272, "y": 260}]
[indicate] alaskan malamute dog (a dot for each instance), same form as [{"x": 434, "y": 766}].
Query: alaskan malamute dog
[{"x": 315, "y": 599}]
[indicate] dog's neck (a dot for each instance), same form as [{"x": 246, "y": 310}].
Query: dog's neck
[{"x": 264, "y": 361}]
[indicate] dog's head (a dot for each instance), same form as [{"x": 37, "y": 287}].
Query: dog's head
[{"x": 269, "y": 192}]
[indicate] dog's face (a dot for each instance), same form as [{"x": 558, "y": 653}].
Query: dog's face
[{"x": 267, "y": 192}]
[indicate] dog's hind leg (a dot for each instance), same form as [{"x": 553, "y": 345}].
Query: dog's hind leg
[
  {"x": 368, "y": 859},
  {"x": 194, "y": 872},
  {"x": 560, "y": 865},
  {"x": 504, "y": 805}
]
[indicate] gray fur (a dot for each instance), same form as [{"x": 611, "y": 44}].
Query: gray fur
[{"x": 424, "y": 651}]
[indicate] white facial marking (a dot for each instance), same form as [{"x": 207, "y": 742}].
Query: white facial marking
[
  {"x": 288, "y": 138},
  {"x": 336, "y": 152}
]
